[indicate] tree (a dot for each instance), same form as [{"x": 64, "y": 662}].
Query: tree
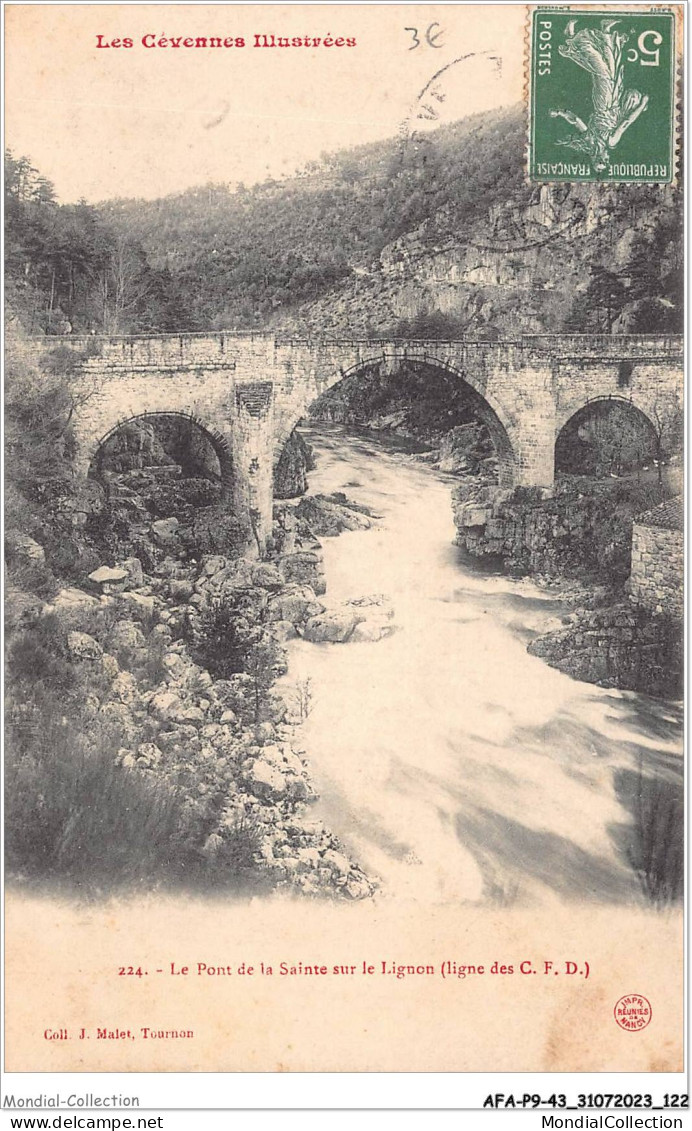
[
  {"x": 668, "y": 421},
  {"x": 261, "y": 659},
  {"x": 221, "y": 640},
  {"x": 124, "y": 282},
  {"x": 605, "y": 294},
  {"x": 39, "y": 407}
]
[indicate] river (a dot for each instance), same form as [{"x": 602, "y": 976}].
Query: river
[{"x": 453, "y": 765}]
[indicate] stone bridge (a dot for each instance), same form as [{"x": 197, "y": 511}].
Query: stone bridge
[{"x": 249, "y": 390}]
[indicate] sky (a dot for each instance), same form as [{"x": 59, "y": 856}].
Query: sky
[{"x": 104, "y": 122}]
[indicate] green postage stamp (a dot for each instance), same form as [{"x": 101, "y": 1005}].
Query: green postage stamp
[{"x": 602, "y": 95}]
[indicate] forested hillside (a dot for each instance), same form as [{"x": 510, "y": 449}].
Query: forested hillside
[
  {"x": 68, "y": 268},
  {"x": 243, "y": 254},
  {"x": 437, "y": 234}
]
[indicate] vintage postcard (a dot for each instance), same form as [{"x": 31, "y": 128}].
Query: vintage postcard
[{"x": 344, "y": 549}]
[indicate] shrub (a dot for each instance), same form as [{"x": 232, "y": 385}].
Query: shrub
[
  {"x": 76, "y": 817},
  {"x": 62, "y": 361},
  {"x": 150, "y": 670},
  {"x": 529, "y": 496},
  {"x": 221, "y": 640},
  {"x": 73, "y": 814},
  {"x": 33, "y": 577},
  {"x": 70, "y": 560},
  {"x": 261, "y": 661},
  {"x": 228, "y": 857},
  {"x": 303, "y": 698},
  {"x": 226, "y": 644},
  {"x": 96, "y": 620},
  {"x": 110, "y": 530},
  {"x": 39, "y": 441},
  {"x": 657, "y": 849},
  {"x": 40, "y": 654}
]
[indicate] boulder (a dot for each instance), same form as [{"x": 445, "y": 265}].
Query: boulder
[
  {"x": 213, "y": 564},
  {"x": 336, "y": 862},
  {"x": 267, "y": 576},
  {"x": 82, "y": 646},
  {"x": 166, "y": 706},
  {"x": 290, "y": 473},
  {"x": 117, "y": 714},
  {"x": 165, "y": 530},
  {"x": 21, "y": 547},
  {"x": 180, "y": 590},
  {"x": 191, "y": 715},
  {"x": 358, "y": 887},
  {"x": 148, "y": 754},
  {"x": 308, "y": 858},
  {"x": 141, "y": 605},
  {"x": 284, "y": 759},
  {"x": 370, "y": 630},
  {"x": 20, "y": 607},
  {"x": 276, "y": 706},
  {"x": 294, "y": 605},
  {"x": 265, "y": 733},
  {"x": 334, "y": 626},
  {"x": 134, "y": 569},
  {"x": 109, "y": 666},
  {"x": 124, "y": 689},
  {"x": 327, "y": 517},
  {"x": 372, "y": 603},
  {"x": 265, "y": 780},
  {"x": 212, "y": 844},
  {"x": 86, "y": 497},
  {"x": 167, "y": 568},
  {"x": 108, "y": 575},
  {"x": 283, "y": 630},
  {"x": 236, "y": 574},
  {"x": 71, "y": 600},
  {"x": 461, "y": 448},
  {"x": 304, "y": 567},
  {"x": 126, "y": 634},
  {"x": 179, "y": 736},
  {"x": 175, "y": 665}
]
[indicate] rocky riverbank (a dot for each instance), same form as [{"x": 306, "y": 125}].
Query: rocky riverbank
[
  {"x": 583, "y": 530},
  {"x": 290, "y": 474},
  {"x": 618, "y": 646},
  {"x": 581, "y": 536},
  {"x": 154, "y": 652}
]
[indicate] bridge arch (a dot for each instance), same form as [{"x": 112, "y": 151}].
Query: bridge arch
[
  {"x": 624, "y": 427},
  {"x": 218, "y": 442},
  {"x": 484, "y": 406}
]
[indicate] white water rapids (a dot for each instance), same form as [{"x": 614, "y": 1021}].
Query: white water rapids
[{"x": 453, "y": 765}]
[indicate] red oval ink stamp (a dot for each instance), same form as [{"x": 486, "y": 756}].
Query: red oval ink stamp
[{"x": 632, "y": 1012}]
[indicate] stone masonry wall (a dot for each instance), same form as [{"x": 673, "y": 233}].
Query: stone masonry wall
[
  {"x": 656, "y": 580},
  {"x": 618, "y": 646}
]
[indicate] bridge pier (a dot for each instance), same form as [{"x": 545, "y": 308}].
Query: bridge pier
[
  {"x": 253, "y": 446},
  {"x": 533, "y": 440}
]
